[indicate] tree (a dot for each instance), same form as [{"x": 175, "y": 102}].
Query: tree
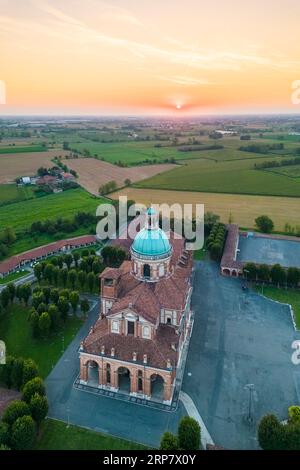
[
  {"x": 39, "y": 408},
  {"x": 293, "y": 276},
  {"x": 84, "y": 306},
  {"x": 55, "y": 273},
  {"x": 91, "y": 281},
  {"x": 42, "y": 308},
  {"x": 82, "y": 279},
  {"x": 34, "y": 321},
  {"x": 72, "y": 278},
  {"x": 46, "y": 292},
  {"x": 63, "y": 276},
  {"x": 74, "y": 300},
  {"x": 30, "y": 371},
  {"x": 250, "y": 271},
  {"x": 216, "y": 251},
  {"x": 278, "y": 274},
  {"x": 264, "y": 224},
  {"x": 76, "y": 257},
  {"x": 23, "y": 433},
  {"x": 48, "y": 272},
  {"x": 294, "y": 414},
  {"x": 38, "y": 299},
  {"x": 263, "y": 273},
  {"x": 4, "y": 433},
  {"x": 5, "y": 297},
  {"x": 270, "y": 433},
  {"x": 19, "y": 292},
  {"x": 26, "y": 292},
  {"x": 63, "y": 307},
  {"x": 32, "y": 387},
  {"x": 68, "y": 259},
  {"x": 54, "y": 316},
  {"x": 16, "y": 409},
  {"x": 169, "y": 442},
  {"x": 127, "y": 182},
  {"x": 12, "y": 291},
  {"x": 38, "y": 271},
  {"x": 17, "y": 373},
  {"x": 5, "y": 372},
  {"x": 44, "y": 324},
  {"x": 54, "y": 296},
  {"x": 8, "y": 236},
  {"x": 189, "y": 434}
]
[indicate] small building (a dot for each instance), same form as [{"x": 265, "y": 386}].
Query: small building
[{"x": 26, "y": 180}]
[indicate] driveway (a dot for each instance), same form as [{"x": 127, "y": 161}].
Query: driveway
[
  {"x": 126, "y": 420},
  {"x": 238, "y": 338}
]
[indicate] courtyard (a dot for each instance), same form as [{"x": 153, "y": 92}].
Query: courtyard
[
  {"x": 264, "y": 250},
  {"x": 238, "y": 339}
]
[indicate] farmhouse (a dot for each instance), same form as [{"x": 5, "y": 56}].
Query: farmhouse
[
  {"x": 136, "y": 345},
  {"x": 15, "y": 262}
]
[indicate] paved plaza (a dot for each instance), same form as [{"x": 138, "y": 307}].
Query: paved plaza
[
  {"x": 269, "y": 251},
  {"x": 238, "y": 339}
]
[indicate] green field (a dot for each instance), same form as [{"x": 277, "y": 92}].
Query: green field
[
  {"x": 22, "y": 149},
  {"x": 226, "y": 176},
  {"x": 13, "y": 276},
  {"x": 16, "y": 332},
  {"x": 21, "y": 215},
  {"x": 292, "y": 171},
  {"x": 55, "y": 435},
  {"x": 12, "y": 193},
  {"x": 285, "y": 296}
]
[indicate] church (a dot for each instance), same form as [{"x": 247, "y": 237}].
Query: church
[{"x": 145, "y": 321}]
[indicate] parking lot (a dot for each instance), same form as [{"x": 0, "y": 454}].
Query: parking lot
[{"x": 269, "y": 251}]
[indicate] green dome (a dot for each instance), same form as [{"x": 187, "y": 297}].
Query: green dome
[{"x": 151, "y": 242}]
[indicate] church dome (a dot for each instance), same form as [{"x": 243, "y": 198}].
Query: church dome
[{"x": 151, "y": 242}]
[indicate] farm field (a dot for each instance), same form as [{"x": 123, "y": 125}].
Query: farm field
[
  {"x": 22, "y": 149},
  {"x": 21, "y": 215},
  {"x": 94, "y": 173},
  {"x": 14, "y": 165},
  {"x": 292, "y": 171},
  {"x": 236, "y": 176},
  {"x": 12, "y": 193},
  {"x": 242, "y": 208}
]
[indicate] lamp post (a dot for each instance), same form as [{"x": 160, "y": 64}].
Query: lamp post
[
  {"x": 249, "y": 387},
  {"x": 63, "y": 343}
]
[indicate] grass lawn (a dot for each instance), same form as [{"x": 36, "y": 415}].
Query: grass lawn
[
  {"x": 16, "y": 332},
  {"x": 56, "y": 436},
  {"x": 22, "y": 149},
  {"x": 286, "y": 296},
  {"x": 13, "y": 276},
  {"x": 21, "y": 215},
  {"x": 12, "y": 193}
]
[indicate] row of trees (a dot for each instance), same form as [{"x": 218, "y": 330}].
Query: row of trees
[
  {"x": 276, "y": 274},
  {"x": 113, "y": 255},
  {"x": 276, "y": 164},
  {"x": 274, "y": 435},
  {"x": 61, "y": 225},
  {"x": 7, "y": 238},
  {"x": 261, "y": 148},
  {"x": 196, "y": 148},
  {"x": 50, "y": 308},
  {"x": 11, "y": 292},
  {"x": 84, "y": 276},
  {"x": 108, "y": 187},
  {"x": 187, "y": 438},
  {"x": 215, "y": 241},
  {"x": 21, "y": 420}
]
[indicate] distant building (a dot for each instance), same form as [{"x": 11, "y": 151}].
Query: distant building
[{"x": 26, "y": 180}]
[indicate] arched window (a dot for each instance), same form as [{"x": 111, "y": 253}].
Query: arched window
[
  {"x": 108, "y": 373},
  {"x": 146, "y": 332},
  {"x": 161, "y": 270},
  {"x": 140, "y": 381},
  {"x": 146, "y": 270}
]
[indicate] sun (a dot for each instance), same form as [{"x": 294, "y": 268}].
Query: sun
[{"x": 178, "y": 106}]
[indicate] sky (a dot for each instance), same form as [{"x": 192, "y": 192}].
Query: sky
[{"x": 145, "y": 57}]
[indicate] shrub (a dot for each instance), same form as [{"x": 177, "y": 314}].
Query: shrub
[
  {"x": 32, "y": 387},
  {"x": 189, "y": 434},
  {"x": 270, "y": 433},
  {"x": 23, "y": 433},
  {"x": 16, "y": 409},
  {"x": 169, "y": 442},
  {"x": 38, "y": 407}
]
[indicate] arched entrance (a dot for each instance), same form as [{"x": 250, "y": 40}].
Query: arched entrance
[
  {"x": 146, "y": 270},
  {"x": 157, "y": 387},
  {"x": 93, "y": 373},
  {"x": 124, "y": 379},
  {"x": 226, "y": 272},
  {"x": 234, "y": 273}
]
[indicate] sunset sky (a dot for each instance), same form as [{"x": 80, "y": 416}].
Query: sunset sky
[{"x": 149, "y": 56}]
